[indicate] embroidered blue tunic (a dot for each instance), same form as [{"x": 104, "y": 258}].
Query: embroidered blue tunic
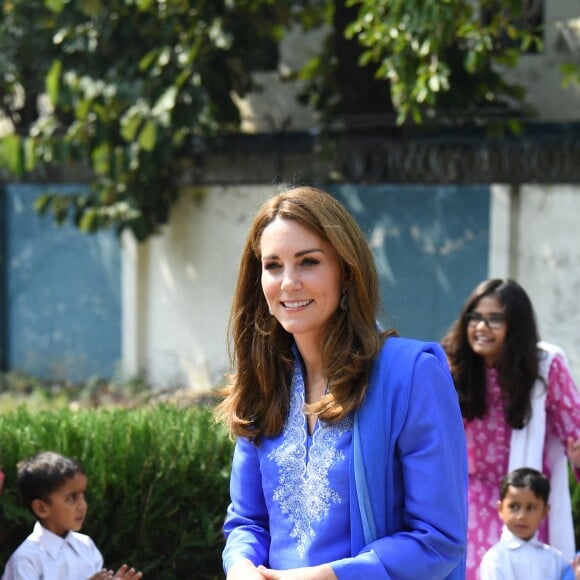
[{"x": 292, "y": 497}]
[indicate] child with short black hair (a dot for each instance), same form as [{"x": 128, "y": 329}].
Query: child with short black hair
[
  {"x": 519, "y": 555},
  {"x": 53, "y": 487}
]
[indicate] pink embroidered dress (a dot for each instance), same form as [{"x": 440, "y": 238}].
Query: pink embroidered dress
[{"x": 488, "y": 444}]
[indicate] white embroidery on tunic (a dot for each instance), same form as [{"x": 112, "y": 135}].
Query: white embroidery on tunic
[{"x": 304, "y": 491}]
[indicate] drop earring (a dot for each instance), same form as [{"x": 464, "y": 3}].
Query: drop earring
[{"x": 343, "y": 305}]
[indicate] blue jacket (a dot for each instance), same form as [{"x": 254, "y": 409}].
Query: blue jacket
[
  {"x": 414, "y": 456},
  {"x": 414, "y": 453}
]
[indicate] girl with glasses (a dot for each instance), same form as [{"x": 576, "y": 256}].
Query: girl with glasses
[{"x": 520, "y": 408}]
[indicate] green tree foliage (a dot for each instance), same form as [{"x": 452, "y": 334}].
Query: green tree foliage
[
  {"x": 338, "y": 84},
  {"x": 134, "y": 89},
  {"x": 432, "y": 55}
]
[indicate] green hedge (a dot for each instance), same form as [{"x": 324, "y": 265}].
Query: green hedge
[
  {"x": 158, "y": 483},
  {"x": 575, "y": 489}
]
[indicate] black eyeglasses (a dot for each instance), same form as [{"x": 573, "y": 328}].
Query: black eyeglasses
[{"x": 493, "y": 321}]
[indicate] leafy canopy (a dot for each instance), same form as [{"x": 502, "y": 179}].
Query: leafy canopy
[
  {"x": 133, "y": 87},
  {"x": 132, "y": 90},
  {"x": 434, "y": 55}
]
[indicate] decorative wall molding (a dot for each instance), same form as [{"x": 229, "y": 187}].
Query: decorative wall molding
[
  {"x": 541, "y": 154},
  {"x": 439, "y": 154}
]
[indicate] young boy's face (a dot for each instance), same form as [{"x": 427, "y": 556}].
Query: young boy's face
[
  {"x": 66, "y": 508},
  {"x": 522, "y": 511}
]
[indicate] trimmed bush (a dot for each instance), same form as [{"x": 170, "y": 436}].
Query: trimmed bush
[
  {"x": 158, "y": 483},
  {"x": 575, "y": 490}
]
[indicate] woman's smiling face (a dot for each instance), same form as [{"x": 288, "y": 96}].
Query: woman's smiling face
[
  {"x": 485, "y": 341},
  {"x": 301, "y": 277}
]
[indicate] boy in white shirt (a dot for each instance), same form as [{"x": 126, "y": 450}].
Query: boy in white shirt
[
  {"x": 519, "y": 555},
  {"x": 53, "y": 487}
]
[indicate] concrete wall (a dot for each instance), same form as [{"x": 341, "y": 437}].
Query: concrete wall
[
  {"x": 273, "y": 107},
  {"x": 178, "y": 287},
  {"x": 535, "y": 239},
  {"x": 540, "y": 73},
  {"x": 60, "y": 292}
]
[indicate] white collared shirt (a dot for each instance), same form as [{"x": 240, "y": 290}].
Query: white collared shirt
[
  {"x": 515, "y": 559},
  {"x": 44, "y": 555}
]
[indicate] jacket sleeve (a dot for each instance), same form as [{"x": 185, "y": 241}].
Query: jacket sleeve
[
  {"x": 431, "y": 488},
  {"x": 246, "y": 526}
]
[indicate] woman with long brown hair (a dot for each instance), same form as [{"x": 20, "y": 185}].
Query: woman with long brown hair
[{"x": 350, "y": 456}]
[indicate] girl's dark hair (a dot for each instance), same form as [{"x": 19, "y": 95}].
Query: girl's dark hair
[
  {"x": 517, "y": 365},
  {"x": 42, "y": 474},
  {"x": 526, "y": 478}
]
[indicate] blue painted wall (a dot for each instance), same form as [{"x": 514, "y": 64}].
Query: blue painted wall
[
  {"x": 63, "y": 314},
  {"x": 431, "y": 248}
]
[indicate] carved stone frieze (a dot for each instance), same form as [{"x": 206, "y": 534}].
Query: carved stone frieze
[{"x": 544, "y": 155}]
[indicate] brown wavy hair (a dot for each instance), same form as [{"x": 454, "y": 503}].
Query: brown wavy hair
[
  {"x": 256, "y": 399},
  {"x": 517, "y": 365}
]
